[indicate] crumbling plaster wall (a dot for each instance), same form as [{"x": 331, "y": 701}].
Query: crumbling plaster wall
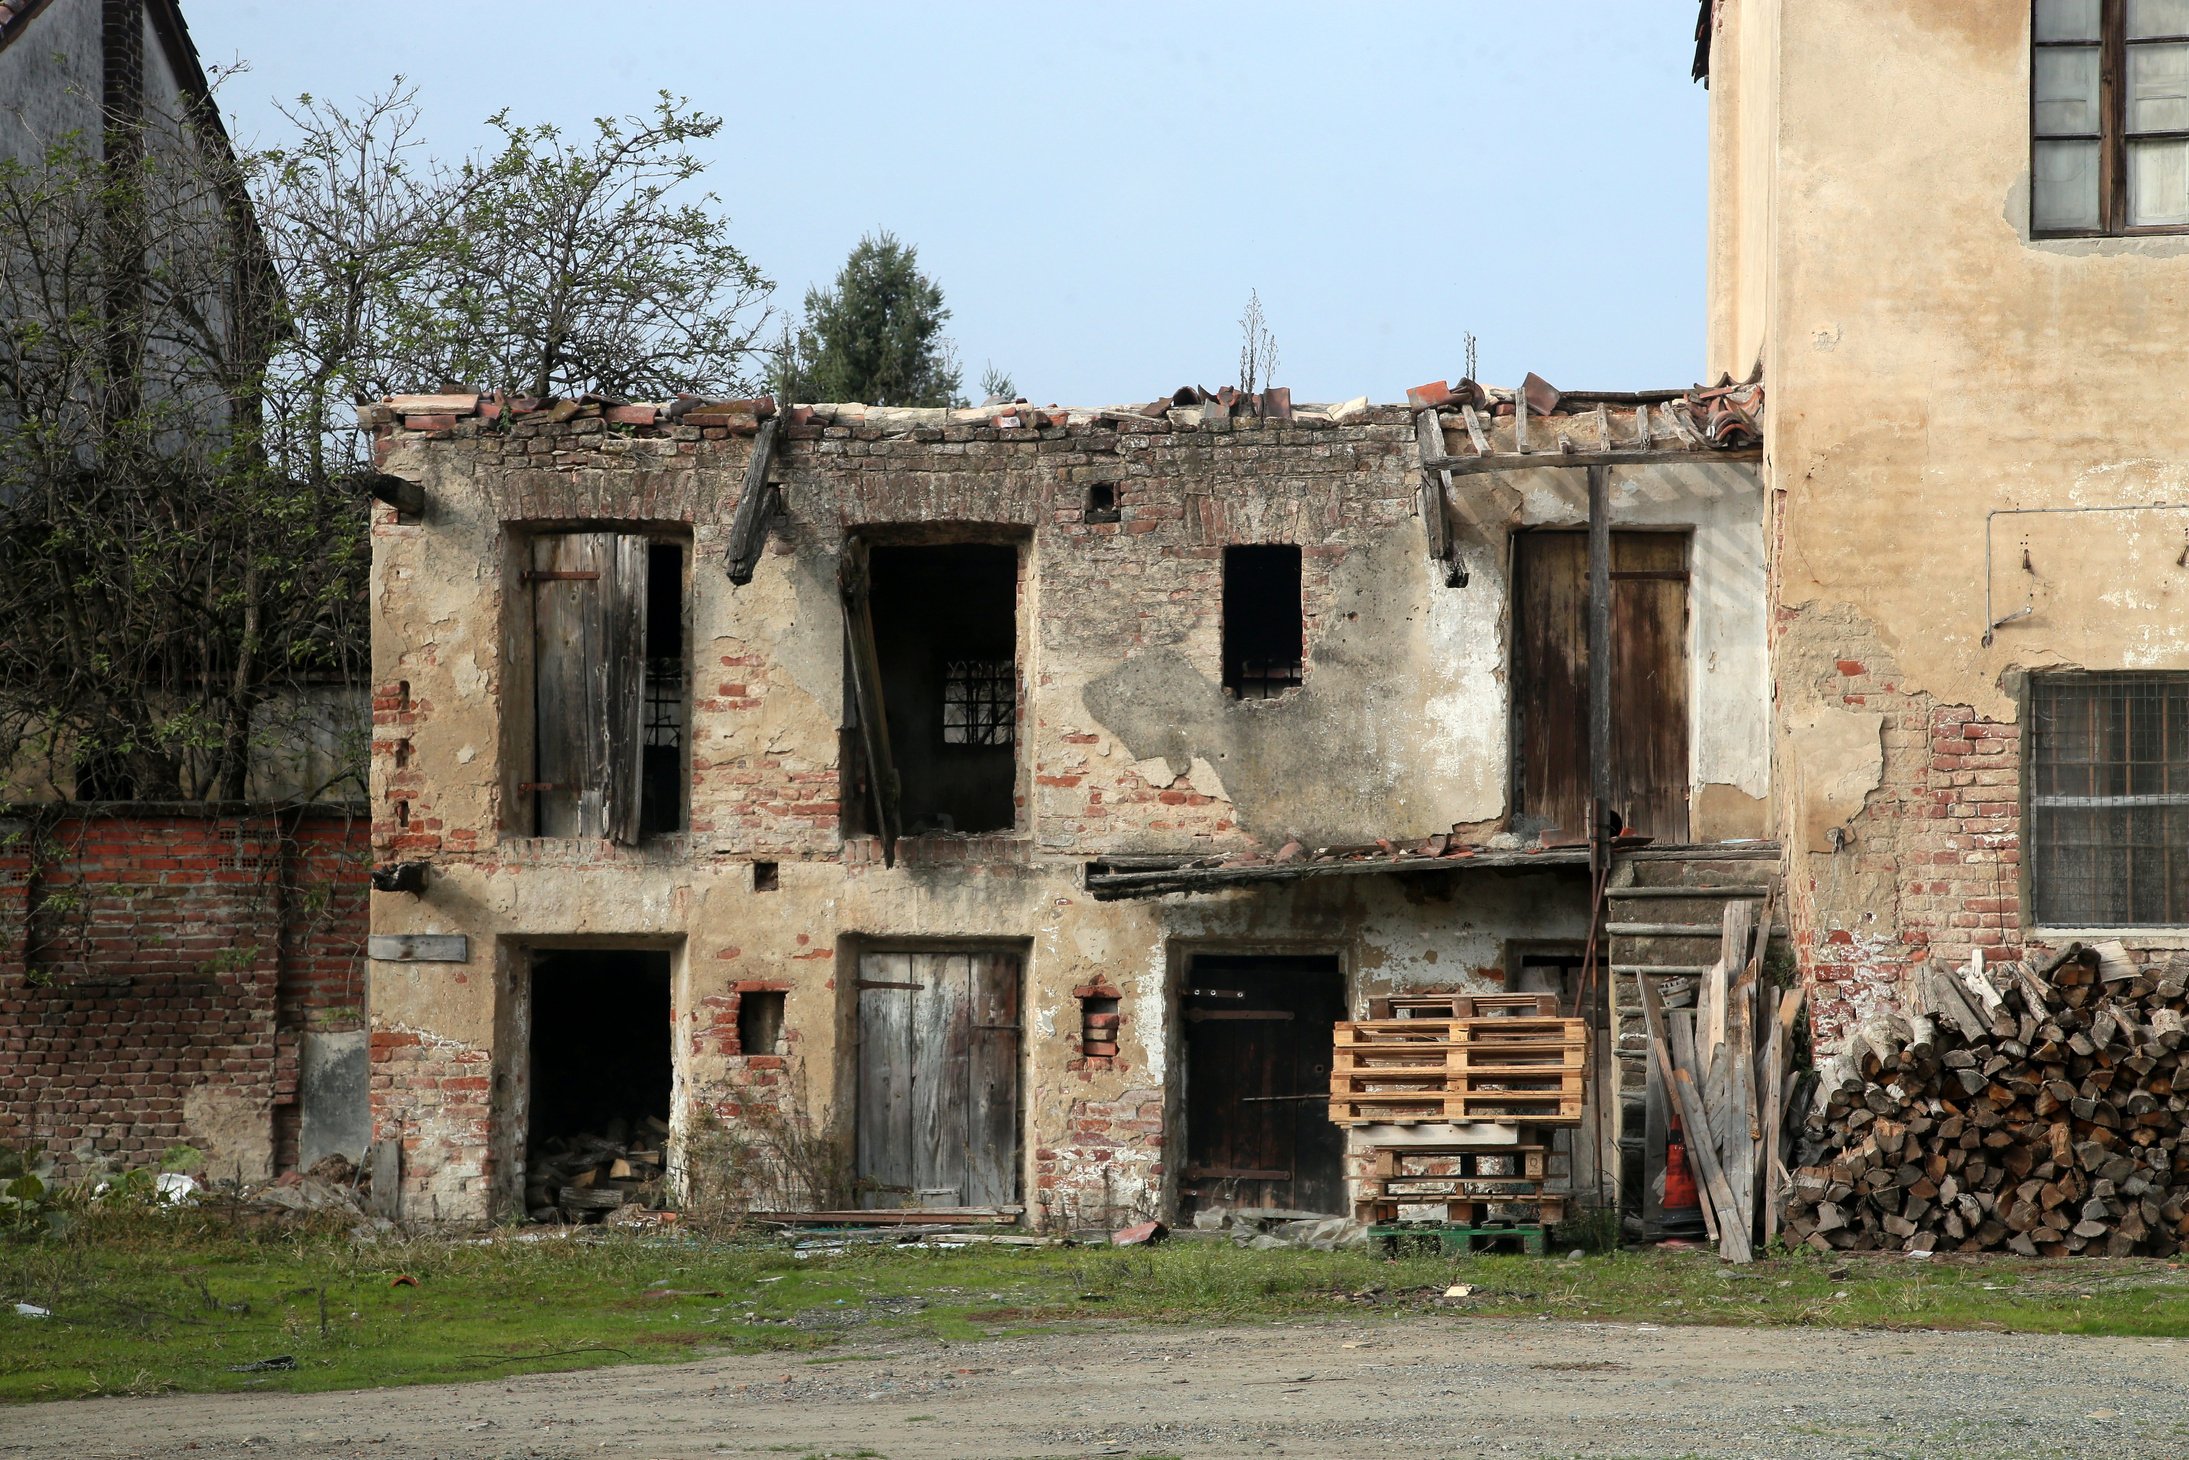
[
  {"x": 1929, "y": 363},
  {"x": 1127, "y": 745}
]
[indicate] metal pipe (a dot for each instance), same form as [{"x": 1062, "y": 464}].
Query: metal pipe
[{"x": 1991, "y": 624}]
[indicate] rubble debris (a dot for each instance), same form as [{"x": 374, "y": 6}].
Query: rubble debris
[
  {"x": 583, "y": 1177},
  {"x": 1139, "y": 1234},
  {"x": 2035, "y": 1111}
]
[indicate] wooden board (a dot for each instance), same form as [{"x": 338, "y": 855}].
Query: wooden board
[
  {"x": 588, "y": 671},
  {"x": 938, "y": 1117}
]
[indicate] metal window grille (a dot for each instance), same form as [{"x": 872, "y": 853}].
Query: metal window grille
[
  {"x": 979, "y": 701},
  {"x": 2109, "y": 800},
  {"x": 1264, "y": 679},
  {"x": 665, "y": 700}
]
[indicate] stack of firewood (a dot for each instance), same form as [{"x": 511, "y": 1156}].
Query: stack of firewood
[
  {"x": 2026, "y": 1108},
  {"x": 580, "y": 1178}
]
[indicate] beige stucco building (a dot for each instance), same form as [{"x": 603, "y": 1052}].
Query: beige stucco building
[{"x": 1974, "y": 479}]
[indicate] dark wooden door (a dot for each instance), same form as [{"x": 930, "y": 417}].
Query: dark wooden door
[
  {"x": 1649, "y": 769},
  {"x": 938, "y": 1079},
  {"x": 1258, "y": 1131}
]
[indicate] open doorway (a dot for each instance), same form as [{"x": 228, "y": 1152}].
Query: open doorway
[
  {"x": 931, "y": 743},
  {"x": 599, "y": 1083},
  {"x": 1584, "y": 1159},
  {"x": 1258, "y": 1031}
]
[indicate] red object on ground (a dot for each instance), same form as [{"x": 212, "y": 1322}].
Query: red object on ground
[
  {"x": 1138, "y": 1233},
  {"x": 1680, "y": 1192}
]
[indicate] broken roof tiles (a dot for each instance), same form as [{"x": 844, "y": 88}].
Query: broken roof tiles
[{"x": 1482, "y": 419}]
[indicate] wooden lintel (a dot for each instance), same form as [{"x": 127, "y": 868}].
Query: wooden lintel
[{"x": 1522, "y": 461}]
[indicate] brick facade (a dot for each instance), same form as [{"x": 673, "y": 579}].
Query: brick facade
[{"x": 162, "y": 966}]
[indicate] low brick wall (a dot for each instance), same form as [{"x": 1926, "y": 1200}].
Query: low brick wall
[{"x": 159, "y": 969}]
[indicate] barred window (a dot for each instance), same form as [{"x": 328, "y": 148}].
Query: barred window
[
  {"x": 2109, "y": 799},
  {"x": 979, "y": 701}
]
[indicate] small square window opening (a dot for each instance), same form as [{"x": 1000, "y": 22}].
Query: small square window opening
[
  {"x": 766, "y": 877},
  {"x": 760, "y": 1022},
  {"x": 1101, "y": 503}
]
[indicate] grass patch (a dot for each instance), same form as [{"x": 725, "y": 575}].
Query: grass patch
[{"x": 164, "y": 1303}]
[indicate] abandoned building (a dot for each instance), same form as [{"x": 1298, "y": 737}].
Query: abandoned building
[{"x": 974, "y": 783}]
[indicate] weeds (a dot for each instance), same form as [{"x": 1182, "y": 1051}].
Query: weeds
[{"x": 144, "y": 1299}]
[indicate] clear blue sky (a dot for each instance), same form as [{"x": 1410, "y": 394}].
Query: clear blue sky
[{"x": 1097, "y": 186}]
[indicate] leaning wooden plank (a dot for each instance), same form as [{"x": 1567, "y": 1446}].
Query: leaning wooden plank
[
  {"x": 1773, "y": 1113},
  {"x": 1660, "y": 1044},
  {"x": 1429, "y": 437},
  {"x": 1733, "y": 1242},
  {"x": 1474, "y": 430}
]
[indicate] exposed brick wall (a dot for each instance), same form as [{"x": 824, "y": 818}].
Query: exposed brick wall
[
  {"x": 158, "y": 957},
  {"x": 1931, "y": 868}
]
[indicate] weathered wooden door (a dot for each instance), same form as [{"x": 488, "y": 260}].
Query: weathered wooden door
[
  {"x": 1258, "y": 1036},
  {"x": 1649, "y": 762},
  {"x": 938, "y": 1079},
  {"x": 588, "y": 669}
]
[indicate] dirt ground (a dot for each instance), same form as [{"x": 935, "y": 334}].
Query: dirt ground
[{"x": 1393, "y": 1390}]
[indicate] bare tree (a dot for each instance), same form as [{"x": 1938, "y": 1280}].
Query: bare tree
[{"x": 1257, "y": 347}]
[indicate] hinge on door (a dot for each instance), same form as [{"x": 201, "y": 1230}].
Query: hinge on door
[{"x": 559, "y": 575}]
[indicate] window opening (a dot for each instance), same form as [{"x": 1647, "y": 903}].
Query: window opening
[
  {"x": 766, "y": 876},
  {"x": 1101, "y": 503},
  {"x": 599, "y": 1082},
  {"x": 2109, "y": 116},
  {"x": 2109, "y": 799},
  {"x": 760, "y": 1021},
  {"x": 661, "y": 785},
  {"x": 943, "y": 622},
  {"x": 1263, "y": 633},
  {"x": 610, "y": 693}
]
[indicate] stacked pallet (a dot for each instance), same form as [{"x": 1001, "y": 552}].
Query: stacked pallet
[
  {"x": 1467, "y": 1181},
  {"x": 1461, "y": 1067},
  {"x": 1457, "y": 1059},
  {"x": 2036, "y": 1109}
]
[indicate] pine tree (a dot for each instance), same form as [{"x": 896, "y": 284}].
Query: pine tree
[{"x": 876, "y": 336}]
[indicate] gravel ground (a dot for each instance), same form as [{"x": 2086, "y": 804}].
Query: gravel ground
[{"x": 1393, "y": 1390}]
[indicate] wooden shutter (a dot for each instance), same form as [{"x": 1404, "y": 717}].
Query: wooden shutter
[
  {"x": 864, "y": 665},
  {"x": 1649, "y": 753},
  {"x": 589, "y": 643}
]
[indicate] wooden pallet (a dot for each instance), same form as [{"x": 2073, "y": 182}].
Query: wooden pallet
[
  {"x": 1547, "y": 1211},
  {"x": 1505, "y": 1068},
  {"x": 1391, "y": 1162},
  {"x": 1452, "y": 1238},
  {"x": 1460, "y": 1006}
]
